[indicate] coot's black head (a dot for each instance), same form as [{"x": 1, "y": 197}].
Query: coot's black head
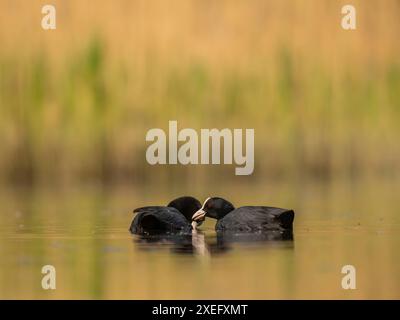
[
  {"x": 215, "y": 207},
  {"x": 186, "y": 205}
]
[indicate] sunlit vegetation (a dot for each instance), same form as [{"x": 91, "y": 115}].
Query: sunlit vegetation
[{"x": 76, "y": 102}]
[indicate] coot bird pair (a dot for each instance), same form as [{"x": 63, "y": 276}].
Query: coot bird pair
[{"x": 185, "y": 213}]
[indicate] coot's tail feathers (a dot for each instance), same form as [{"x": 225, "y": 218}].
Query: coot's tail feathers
[
  {"x": 286, "y": 219},
  {"x": 148, "y": 223},
  {"x": 149, "y": 208},
  {"x": 155, "y": 220}
]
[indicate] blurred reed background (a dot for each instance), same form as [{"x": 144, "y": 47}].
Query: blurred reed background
[{"x": 76, "y": 103}]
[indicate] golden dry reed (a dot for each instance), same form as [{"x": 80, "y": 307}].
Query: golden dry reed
[{"x": 76, "y": 102}]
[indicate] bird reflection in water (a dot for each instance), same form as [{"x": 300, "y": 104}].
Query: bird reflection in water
[{"x": 205, "y": 246}]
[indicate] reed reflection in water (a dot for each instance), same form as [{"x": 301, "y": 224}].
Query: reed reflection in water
[{"x": 84, "y": 233}]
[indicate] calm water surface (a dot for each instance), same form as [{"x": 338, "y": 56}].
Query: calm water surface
[{"x": 83, "y": 232}]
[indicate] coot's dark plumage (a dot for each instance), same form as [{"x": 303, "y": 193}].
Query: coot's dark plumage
[
  {"x": 245, "y": 219},
  {"x": 173, "y": 218}
]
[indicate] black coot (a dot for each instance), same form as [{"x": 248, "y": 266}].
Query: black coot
[
  {"x": 173, "y": 218},
  {"x": 245, "y": 219}
]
